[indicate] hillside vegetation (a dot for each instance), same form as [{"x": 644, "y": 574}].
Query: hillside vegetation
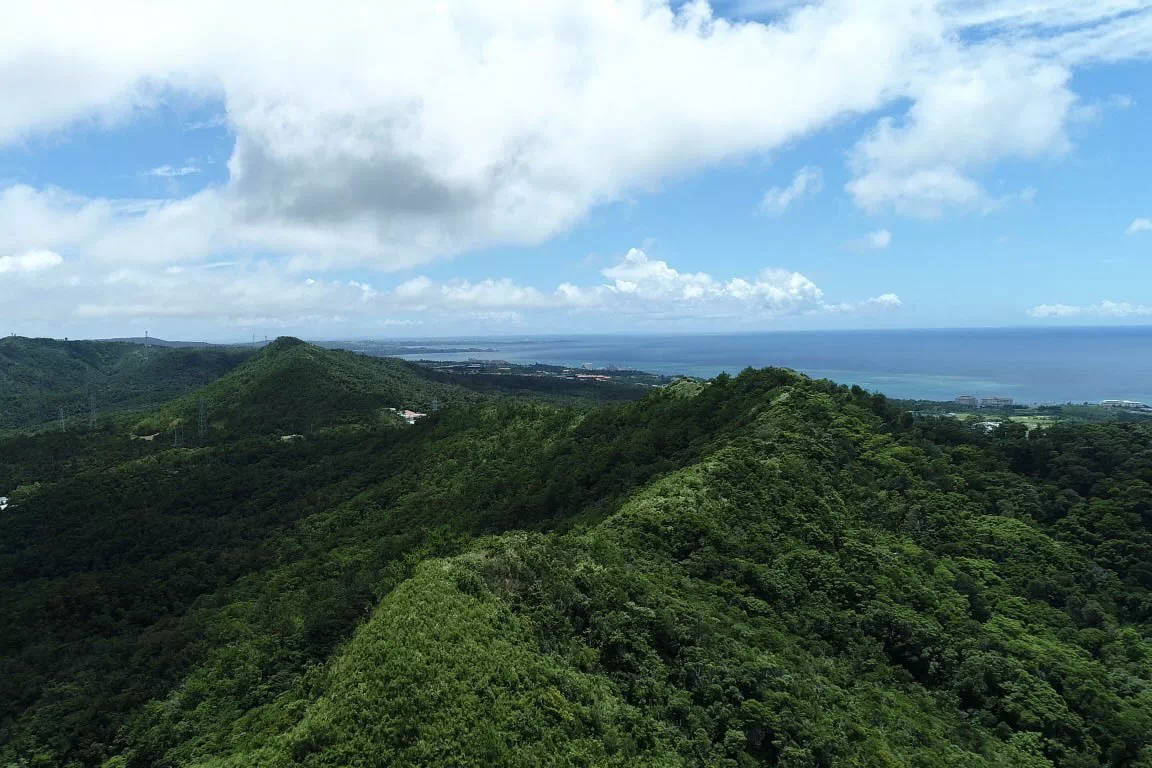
[
  {"x": 38, "y": 377},
  {"x": 757, "y": 570}
]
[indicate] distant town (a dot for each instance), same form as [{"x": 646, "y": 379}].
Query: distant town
[
  {"x": 585, "y": 372},
  {"x": 972, "y": 401}
]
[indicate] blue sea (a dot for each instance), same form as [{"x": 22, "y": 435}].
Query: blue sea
[{"x": 1030, "y": 365}]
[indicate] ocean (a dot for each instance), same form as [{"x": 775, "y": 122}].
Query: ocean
[{"x": 1050, "y": 365}]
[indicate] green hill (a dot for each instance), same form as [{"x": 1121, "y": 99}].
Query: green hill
[
  {"x": 38, "y": 377},
  {"x": 294, "y": 387},
  {"x": 291, "y": 386},
  {"x": 760, "y": 570}
]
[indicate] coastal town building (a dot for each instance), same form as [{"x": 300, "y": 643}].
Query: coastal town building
[
  {"x": 971, "y": 401},
  {"x": 1122, "y": 404}
]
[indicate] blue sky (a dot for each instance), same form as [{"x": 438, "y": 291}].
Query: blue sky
[{"x": 557, "y": 168}]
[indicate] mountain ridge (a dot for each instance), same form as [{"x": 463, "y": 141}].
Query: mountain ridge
[{"x": 761, "y": 569}]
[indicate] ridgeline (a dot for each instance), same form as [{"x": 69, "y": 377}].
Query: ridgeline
[{"x": 756, "y": 570}]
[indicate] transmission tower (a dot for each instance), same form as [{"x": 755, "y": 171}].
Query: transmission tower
[
  {"x": 63, "y": 428},
  {"x": 92, "y": 412},
  {"x": 178, "y": 436},
  {"x": 203, "y": 420}
]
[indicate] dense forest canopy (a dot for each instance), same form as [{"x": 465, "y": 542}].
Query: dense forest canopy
[
  {"x": 42, "y": 379},
  {"x": 761, "y": 569}
]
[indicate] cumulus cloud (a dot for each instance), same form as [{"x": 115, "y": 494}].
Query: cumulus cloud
[
  {"x": 983, "y": 107},
  {"x": 363, "y": 135},
  {"x": 30, "y": 261},
  {"x": 1139, "y": 225},
  {"x": 1105, "y": 308},
  {"x": 886, "y": 300},
  {"x": 237, "y": 295},
  {"x": 392, "y": 133},
  {"x": 807, "y": 181}
]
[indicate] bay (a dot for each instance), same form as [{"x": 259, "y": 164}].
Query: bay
[{"x": 1047, "y": 365}]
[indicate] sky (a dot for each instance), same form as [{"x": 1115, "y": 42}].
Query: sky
[{"x": 217, "y": 170}]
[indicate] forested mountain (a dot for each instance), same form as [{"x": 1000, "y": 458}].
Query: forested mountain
[
  {"x": 39, "y": 377},
  {"x": 291, "y": 386},
  {"x": 757, "y": 570},
  {"x": 153, "y": 341}
]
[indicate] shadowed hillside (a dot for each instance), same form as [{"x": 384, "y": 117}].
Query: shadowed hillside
[{"x": 38, "y": 377}]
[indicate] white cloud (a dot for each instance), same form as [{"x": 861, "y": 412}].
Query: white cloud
[
  {"x": 392, "y": 133},
  {"x": 1139, "y": 225},
  {"x": 886, "y": 300},
  {"x": 30, "y": 261},
  {"x": 926, "y": 192},
  {"x": 879, "y": 239},
  {"x": 876, "y": 240},
  {"x": 989, "y": 103},
  {"x": 169, "y": 172},
  {"x": 1090, "y": 112},
  {"x": 216, "y": 121},
  {"x": 1105, "y": 308},
  {"x": 259, "y": 293},
  {"x": 807, "y": 181},
  {"x": 389, "y": 134}
]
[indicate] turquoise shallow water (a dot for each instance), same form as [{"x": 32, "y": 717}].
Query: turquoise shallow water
[{"x": 1051, "y": 365}]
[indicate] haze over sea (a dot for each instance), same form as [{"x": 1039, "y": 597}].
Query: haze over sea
[{"x": 1048, "y": 365}]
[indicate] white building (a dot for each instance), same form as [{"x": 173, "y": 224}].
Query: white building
[{"x": 411, "y": 416}]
